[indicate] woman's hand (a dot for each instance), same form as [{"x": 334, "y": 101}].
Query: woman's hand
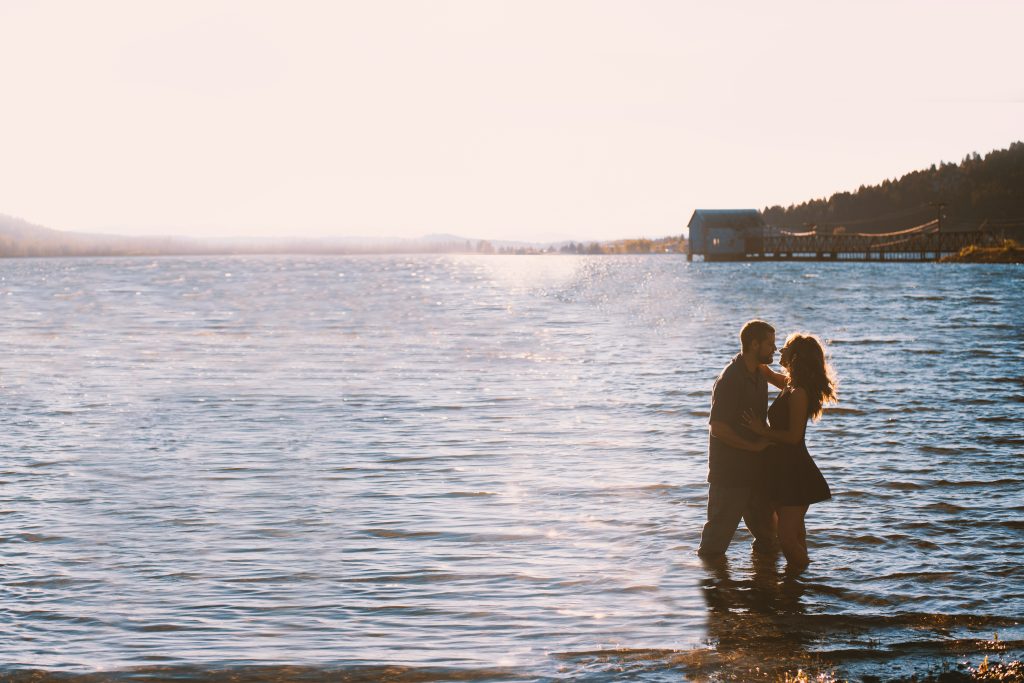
[{"x": 754, "y": 424}]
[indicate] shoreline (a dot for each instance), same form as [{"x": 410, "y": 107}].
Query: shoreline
[
  {"x": 1008, "y": 252},
  {"x": 689, "y": 665}
]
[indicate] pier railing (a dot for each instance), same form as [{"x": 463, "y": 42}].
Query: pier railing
[{"x": 921, "y": 243}]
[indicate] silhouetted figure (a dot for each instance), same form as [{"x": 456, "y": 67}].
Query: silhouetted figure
[
  {"x": 734, "y": 451},
  {"x": 791, "y": 480}
]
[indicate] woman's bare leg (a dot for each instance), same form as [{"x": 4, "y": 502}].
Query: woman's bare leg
[{"x": 793, "y": 535}]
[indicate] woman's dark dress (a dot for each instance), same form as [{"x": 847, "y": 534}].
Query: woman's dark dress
[{"x": 791, "y": 477}]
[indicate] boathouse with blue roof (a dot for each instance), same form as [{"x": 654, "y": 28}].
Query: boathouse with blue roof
[{"x": 726, "y": 234}]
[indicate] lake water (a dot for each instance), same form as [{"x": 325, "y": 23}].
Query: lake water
[{"x": 492, "y": 467}]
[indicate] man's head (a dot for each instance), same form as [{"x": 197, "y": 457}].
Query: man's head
[{"x": 757, "y": 338}]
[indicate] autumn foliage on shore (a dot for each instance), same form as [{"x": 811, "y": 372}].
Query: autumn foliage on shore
[{"x": 1009, "y": 251}]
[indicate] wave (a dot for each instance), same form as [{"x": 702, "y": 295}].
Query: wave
[
  {"x": 867, "y": 539},
  {"x": 853, "y": 493},
  {"x": 751, "y": 646},
  {"x": 844, "y": 411},
  {"x": 765, "y": 659},
  {"x": 398, "y": 533},
  {"x": 453, "y": 537},
  {"x": 903, "y": 485},
  {"x": 283, "y": 673},
  {"x": 1001, "y": 440},
  {"x": 941, "y": 450},
  {"x": 999, "y": 379},
  {"x": 944, "y": 507},
  {"x": 927, "y": 577},
  {"x": 34, "y": 538},
  {"x": 865, "y": 341}
]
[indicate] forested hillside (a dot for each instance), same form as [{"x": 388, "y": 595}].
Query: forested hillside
[{"x": 978, "y": 192}]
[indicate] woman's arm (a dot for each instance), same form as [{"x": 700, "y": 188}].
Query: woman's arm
[
  {"x": 777, "y": 379},
  {"x": 794, "y": 433}
]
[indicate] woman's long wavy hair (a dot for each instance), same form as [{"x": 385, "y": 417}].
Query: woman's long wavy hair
[{"x": 810, "y": 370}]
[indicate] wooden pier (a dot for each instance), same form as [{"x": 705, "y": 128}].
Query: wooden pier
[
  {"x": 924, "y": 247},
  {"x": 743, "y": 235},
  {"x": 921, "y": 243}
]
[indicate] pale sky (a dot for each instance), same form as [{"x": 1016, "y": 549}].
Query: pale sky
[{"x": 535, "y": 120}]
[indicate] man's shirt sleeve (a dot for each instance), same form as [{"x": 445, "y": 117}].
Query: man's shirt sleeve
[{"x": 726, "y": 400}]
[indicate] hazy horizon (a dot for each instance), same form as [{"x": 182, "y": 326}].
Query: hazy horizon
[{"x": 526, "y": 121}]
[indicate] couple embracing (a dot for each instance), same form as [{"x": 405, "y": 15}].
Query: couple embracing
[{"x": 759, "y": 467}]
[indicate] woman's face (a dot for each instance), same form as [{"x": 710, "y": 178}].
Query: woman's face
[{"x": 785, "y": 355}]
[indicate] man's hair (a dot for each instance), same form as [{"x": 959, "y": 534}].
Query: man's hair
[{"x": 753, "y": 332}]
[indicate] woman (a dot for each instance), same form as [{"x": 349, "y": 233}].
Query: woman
[{"x": 792, "y": 480}]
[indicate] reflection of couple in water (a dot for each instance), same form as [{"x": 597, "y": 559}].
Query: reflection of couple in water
[{"x": 760, "y": 469}]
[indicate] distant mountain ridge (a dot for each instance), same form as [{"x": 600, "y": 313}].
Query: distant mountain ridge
[{"x": 20, "y": 238}]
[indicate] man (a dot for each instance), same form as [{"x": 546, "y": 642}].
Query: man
[{"x": 734, "y": 451}]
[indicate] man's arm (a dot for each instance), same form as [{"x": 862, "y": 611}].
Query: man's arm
[{"x": 726, "y": 434}]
